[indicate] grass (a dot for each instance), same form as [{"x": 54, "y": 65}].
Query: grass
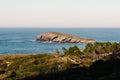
[{"x": 22, "y": 66}]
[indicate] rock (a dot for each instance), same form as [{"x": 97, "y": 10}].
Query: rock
[{"x": 63, "y": 38}]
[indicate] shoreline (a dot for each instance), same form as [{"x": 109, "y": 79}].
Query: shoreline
[{"x": 44, "y": 66}]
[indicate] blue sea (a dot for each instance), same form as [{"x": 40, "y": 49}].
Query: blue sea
[{"x": 23, "y": 40}]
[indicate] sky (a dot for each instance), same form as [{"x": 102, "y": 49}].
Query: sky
[{"x": 59, "y": 13}]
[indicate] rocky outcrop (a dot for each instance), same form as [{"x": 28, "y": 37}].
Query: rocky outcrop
[{"x": 63, "y": 38}]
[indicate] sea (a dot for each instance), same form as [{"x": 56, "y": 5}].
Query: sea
[{"x": 23, "y": 40}]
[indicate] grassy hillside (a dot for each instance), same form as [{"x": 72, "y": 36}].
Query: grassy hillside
[{"x": 72, "y": 65}]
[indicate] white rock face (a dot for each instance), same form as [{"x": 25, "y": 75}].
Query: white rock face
[{"x": 63, "y": 38}]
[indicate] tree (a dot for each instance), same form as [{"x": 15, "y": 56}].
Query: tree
[
  {"x": 73, "y": 50},
  {"x": 65, "y": 51},
  {"x": 57, "y": 51},
  {"x": 102, "y": 47}
]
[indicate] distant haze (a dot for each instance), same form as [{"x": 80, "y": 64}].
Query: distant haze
[{"x": 59, "y": 13}]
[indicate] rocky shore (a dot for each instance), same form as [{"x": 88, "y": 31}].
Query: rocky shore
[{"x": 62, "y": 38}]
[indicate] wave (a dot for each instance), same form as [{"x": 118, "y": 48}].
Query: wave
[
  {"x": 16, "y": 41},
  {"x": 45, "y": 42},
  {"x": 33, "y": 40},
  {"x": 109, "y": 41},
  {"x": 50, "y": 42}
]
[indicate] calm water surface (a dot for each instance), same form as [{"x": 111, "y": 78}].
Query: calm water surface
[{"x": 22, "y": 40}]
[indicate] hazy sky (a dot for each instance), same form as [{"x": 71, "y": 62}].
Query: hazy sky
[{"x": 59, "y": 13}]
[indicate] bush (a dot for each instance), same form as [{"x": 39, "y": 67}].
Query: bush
[
  {"x": 74, "y": 50},
  {"x": 102, "y": 47}
]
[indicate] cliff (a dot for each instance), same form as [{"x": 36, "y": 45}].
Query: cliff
[{"x": 63, "y": 38}]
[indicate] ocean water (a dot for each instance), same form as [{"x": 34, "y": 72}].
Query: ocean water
[{"x": 23, "y": 40}]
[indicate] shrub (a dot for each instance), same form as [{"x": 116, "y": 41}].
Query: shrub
[
  {"x": 102, "y": 47},
  {"x": 74, "y": 50}
]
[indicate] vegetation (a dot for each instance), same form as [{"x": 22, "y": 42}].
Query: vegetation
[
  {"x": 107, "y": 69},
  {"x": 98, "y": 61},
  {"x": 74, "y": 50},
  {"x": 19, "y": 66},
  {"x": 102, "y": 47},
  {"x": 94, "y": 48}
]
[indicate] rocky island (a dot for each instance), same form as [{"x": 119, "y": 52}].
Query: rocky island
[{"x": 62, "y": 38}]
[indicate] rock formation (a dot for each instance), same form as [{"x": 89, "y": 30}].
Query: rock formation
[{"x": 63, "y": 38}]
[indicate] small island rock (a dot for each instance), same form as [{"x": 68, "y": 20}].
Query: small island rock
[{"x": 63, "y": 38}]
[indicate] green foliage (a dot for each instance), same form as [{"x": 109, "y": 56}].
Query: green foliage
[
  {"x": 64, "y": 50},
  {"x": 57, "y": 51},
  {"x": 102, "y": 47},
  {"x": 24, "y": 65},
  {"x": 74, "y": 50},
  {"x": 3, "y": 65},
  {"x": 27, "y": 65},
  {"x": 89, "y": 48}
]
